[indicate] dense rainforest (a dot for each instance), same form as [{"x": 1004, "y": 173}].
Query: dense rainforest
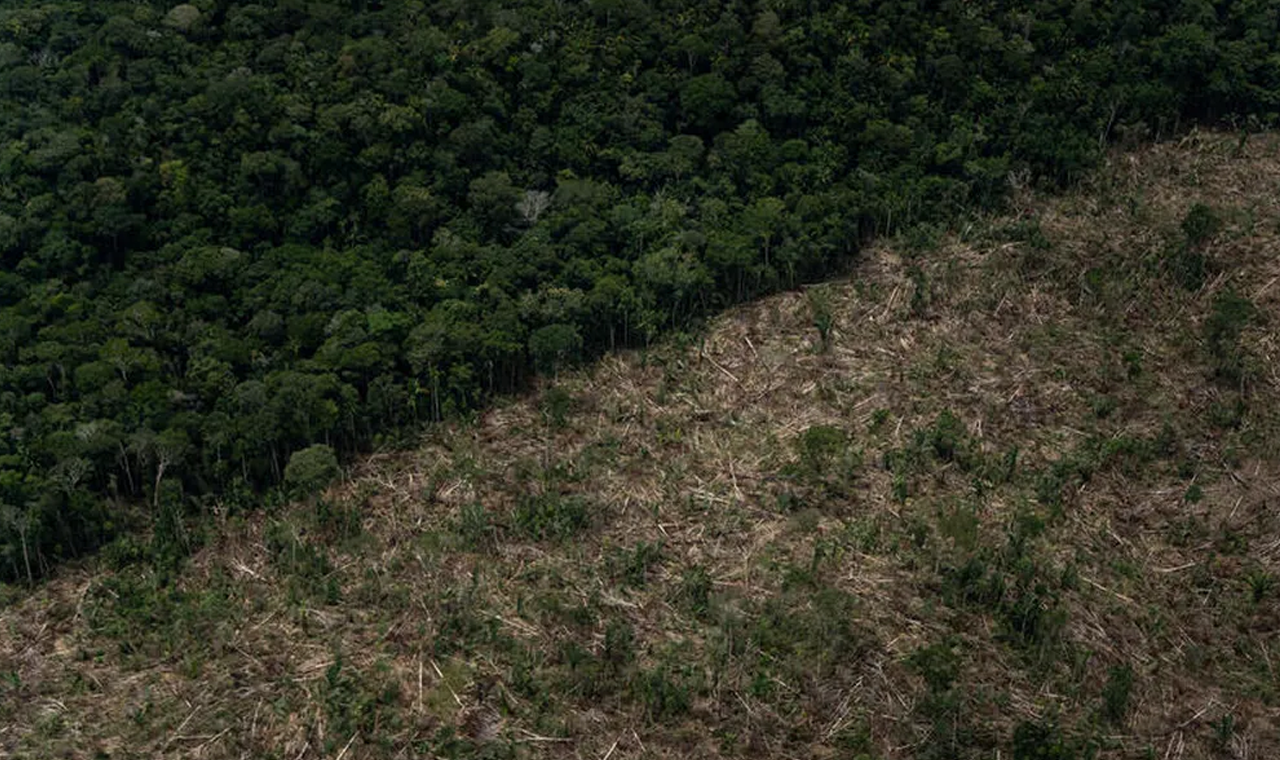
[{"x": 235, "y": 231}]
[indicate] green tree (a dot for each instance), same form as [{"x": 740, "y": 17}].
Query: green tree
[
  {"x": 554, "y": 345},
  {"x": 311, "y": 470}
]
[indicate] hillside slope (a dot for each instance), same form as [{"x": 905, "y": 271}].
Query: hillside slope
[
  {"x": 1020, "y": 501},
  {"x": 232, "y": 230}
]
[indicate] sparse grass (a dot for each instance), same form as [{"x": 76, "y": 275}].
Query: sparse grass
[{"x": 1014, "y": 498}]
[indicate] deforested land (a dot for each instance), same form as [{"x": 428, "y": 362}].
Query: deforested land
[{"x": 1005, "y": 490}]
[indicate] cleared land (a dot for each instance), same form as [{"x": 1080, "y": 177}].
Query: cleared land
[{"x": 1008, "y": 491}]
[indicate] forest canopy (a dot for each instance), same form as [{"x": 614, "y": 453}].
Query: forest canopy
[{"x": 235, "y": 231}]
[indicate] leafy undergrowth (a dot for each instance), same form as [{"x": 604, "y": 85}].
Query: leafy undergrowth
[{"x": 1009, "y": 491}]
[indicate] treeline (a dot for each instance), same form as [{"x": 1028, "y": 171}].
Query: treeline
[{"x": 232, "y": 230}]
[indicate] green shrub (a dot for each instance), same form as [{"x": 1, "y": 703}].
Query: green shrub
[
  {"x": 149, "y": 620},
  {"x": 960, "y": 524},
  {"x": 474, "y": 524},
  {"x": 1224, "y": 730},
  {"x": 1032, "y": 615},
  {"x": 921, "y": 293},
  {"x": 826, "y": 465},
  {"x": 1026, "y": 231},
  {"x": 358, "y": 702},
  {"x": 665, "y": 693},
  {"x": 821, "y": 314},
  {"x": 1188, "y": 265},
  {"x": 1041, "y": 741},
  {"x": 819, "y": 447},
  {"x": 938, "y": 664},
  {"x": 338, "y": 519},
  {"x": 311, "y": 470},
  {"x": 633, "y": 566},
  {"x": 808, "y": 629},
  {"x": 306, "y": 565},
  {"x": 948, "y": 436},
  {"x": 556, "y": 404},
  {"x": 1200, "y": 224},
  {"x": 462, "y": 624},
  {"x": 1020, "y": 594},
  {"x": 1231, "y": 314},
  {"x": 551, "y": 516},
  {"x": 1261, "y": 585},
  {"x": 1117, "y": 693},
  {"x": 695, "y": 590},
  {"x": 619, "y": 644}
]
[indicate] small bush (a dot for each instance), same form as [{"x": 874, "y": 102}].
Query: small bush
[
  {"x": 354, "y": 702},
  {"x": 1261, "y": 585},
  {"x": 1231, "y": 314},
  {"x": 463, "y": 624},
  {"x": 695, "y": 590},
  {"x": 150, "y": 620},
  {"x": 790, "y": 501},
  {"x": 1200, "y": 224},
  {"x": 901, "y": 489},
  {"x": 619, "y": 644},
  {"x": 551, "y": 516},
  {"x": 1227, "y": 413},
  {"x": 1033, "y": 616},
  {"x": 1104, "y": 406},
  {"x": 171, "y": 540},
  {"x": 474, "y": 524},
  {"x": 1116, "y": 694},
  {"x": 1188, "y": 266},
  {"x": 823, "y": 316},
  {"x": 663, "y": 694},
  {"x": 960, "y": 524},
  {"x": 1224, "y": 730},
  {"x": 948, "y": 436},
  {"x": 1040, "y": 741},
  {"x": 1026, "y": 231},
  {"x": 938, "y": 664},
  {"x": 819, "y": 447},
  {"x": 556, "y": 404},
  {"x": 338, "y": 520},
  {"x": 640, "y": 561},
  {"x": 125, "y": 551},
  {"x": 1012, "y": 588},
  {"x": 632, "y": 567},
  {"x": 307, "y": 566},
  {"x": 310, "y": 470},
  {"x": 1128, "y": 454},
  {"x": 921, "y": 293},
  {"x": 809, "y": 629}
]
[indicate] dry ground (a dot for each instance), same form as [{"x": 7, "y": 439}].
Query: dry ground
[{"x": 1014, "y": 506}]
